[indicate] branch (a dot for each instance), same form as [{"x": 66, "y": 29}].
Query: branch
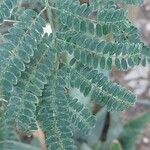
[{"x": 12, "y": 21}]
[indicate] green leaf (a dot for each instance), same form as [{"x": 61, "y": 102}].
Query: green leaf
[
  {"x": 80, "y": 116},
  {"x": 29, "y": 87},
  {"x": 99, "y": 53},
  {"x": 133, "y": 129},
  {"x": 54, "y": 109},
  {"x": 102, "y": 90},
  {"x": 116, "y": 145},
  {"x": 20, "y": 46},
  {"x": 5, "y": 9}
]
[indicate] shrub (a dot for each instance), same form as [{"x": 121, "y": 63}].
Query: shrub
[{"x": 39, "y": 71}]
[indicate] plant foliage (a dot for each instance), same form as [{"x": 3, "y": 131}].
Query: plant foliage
[
  {"x": 39, "y": 70},
  {"x": 133, "y": 128}
]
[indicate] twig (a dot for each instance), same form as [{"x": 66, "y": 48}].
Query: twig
[
  {"x": 50, "y": 16},
  {"x": 13, "y": 21}
]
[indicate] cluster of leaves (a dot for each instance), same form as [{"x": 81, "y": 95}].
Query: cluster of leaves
[{"x": 38, "y": 70}]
